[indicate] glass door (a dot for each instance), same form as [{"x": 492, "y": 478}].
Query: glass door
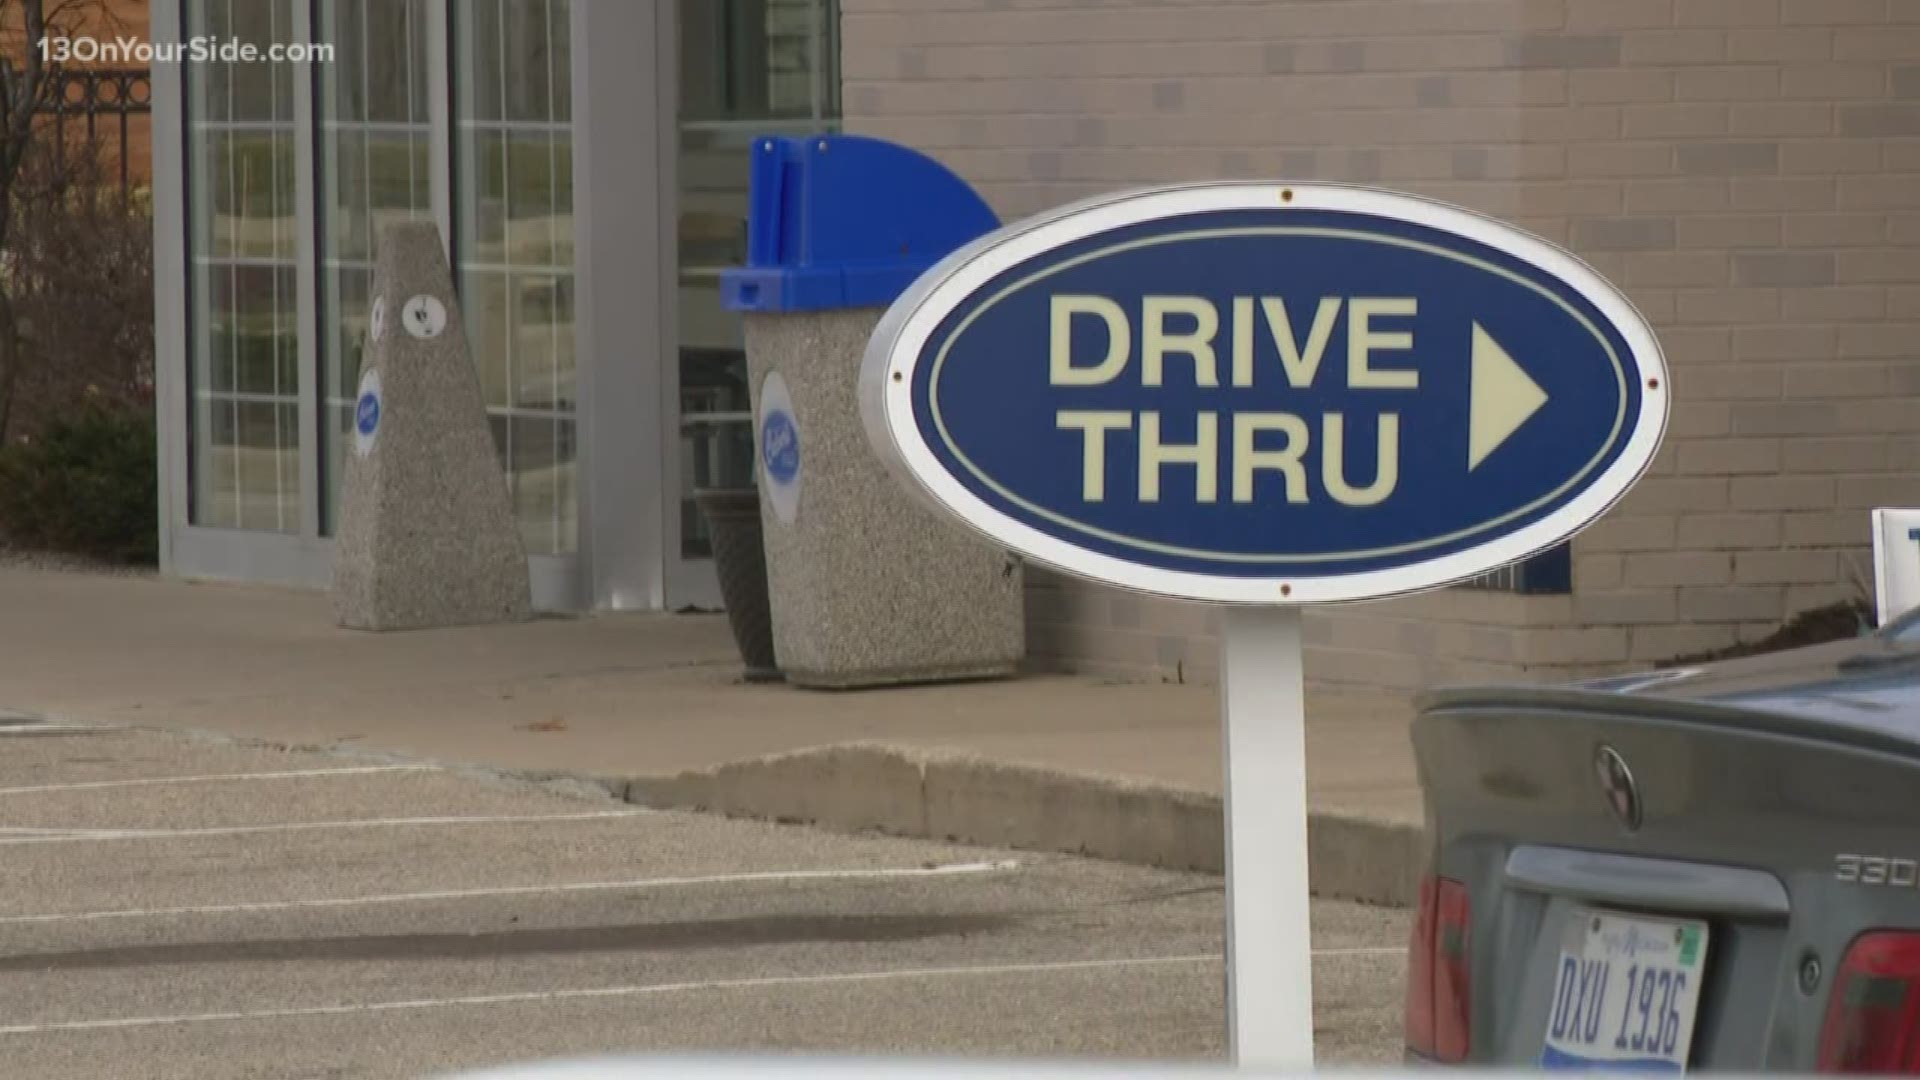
[{"x": 747, "y": 68}]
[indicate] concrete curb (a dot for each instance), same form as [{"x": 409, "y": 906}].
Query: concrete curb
[{"x": 951, "y": 795}]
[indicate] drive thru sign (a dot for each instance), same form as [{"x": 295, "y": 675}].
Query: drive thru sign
[{"x": 1266, "y": 395}]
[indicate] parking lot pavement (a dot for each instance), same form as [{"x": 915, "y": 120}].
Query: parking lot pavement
[{"x": 174, "y": 907}]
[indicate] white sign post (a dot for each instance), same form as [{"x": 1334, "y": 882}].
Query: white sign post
[
  {"x": 1263, "y": 727},
  {"x": 1267, "y": 396}
]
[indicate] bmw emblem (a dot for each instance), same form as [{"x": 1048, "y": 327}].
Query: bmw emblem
[{"x": 1616, "y": 783}]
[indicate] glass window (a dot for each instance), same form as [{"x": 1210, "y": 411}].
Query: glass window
[
  {"x": 244, "y": 374},
  {"x": 747, "y": 68},
  {"x": 513, "y": 147},
  {"x": 374, "y": 153}
]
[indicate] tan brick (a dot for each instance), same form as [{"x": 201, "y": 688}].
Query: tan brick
[
  {"x": 1667, "y": 121},
  {"x": 1839, "y": 304},
  {"x": 1833, "y": 230},
  {"x": 1787, "y": 268},
  {"x": 1662, "y": 644},
  {"x": 1563, "y": 645},
  {"x": 1728, "y": 457},
  {"x": 1701, "y": 158},
  {"x": 1878, "y": 193},
  {"x": 1866, "y": 492},
  {"x": 1728, "y": 382},
  {"x": 1727, "y": 12},
  {"x": 1695, "y": 346},
  {"x": 1675, "y": 495},
  {"x": 1880, "y": 119},
  {"x": 1621, "y": 159},
  {"x": 1886, "y": 265},
  {"x": 1878, "y": 341},
  {"x": 1730, "y": 603},
  {"x": 1629, "y": 607},
  {"x": 1624, "y": 233},
  {"x": 1836, "y": 381},
  {"x": 1824, "y": 527},
  {"x": 1751, "y": 83},
  {"x": 1903, "y": 379},
  {"x": 1652, "y": 569},
  {"x": 1722, "y": 231},
  {"x": 1834, "y": 12},
  {"x": 1797, "y": 43},
  {"x": 1784, "y": 567},
  {"x": 1727, "y": 306},
  {"x": 1694, "y": 418},
  {"x": 1781, "y": 492},
  {"x": 1672, "y": 196},
  {"x": 1626, "y": 532},
  {"x": 1884, "y": 416},
  {"x": 1800, "y": 119},
  {"x": 1902, "y": 300},
  {"x": 1836, "y": 455},
  {"x": 1808, "y": 597},
  {"x": 1676, "y": 267},
  {"x": 1601, "y": 570},
  {"x": 1438, "y": 52},
  {"x": 1783, "y": 418},
  {"x": 1470, "y": 88},
  {"x": 1563, "y": 50},
  {"x": 1901, "y": 155},
  {"x": 1618, "y": 14},
  {"x": 1727, "y": 532},
  {"x": 1794, "y": 193},
  {"x": 1654, "y": 48},
  {"x": 1615, "y": 85},
  {"x": 1906, "y": 81},
  {"x": 1824, "y": 157},
  {"x": 1784, "y": 343},
  {"x": 1832, "y": 82},
  {"x": 1876, "y": 43},
  {"x": 1579, "y": 198}
]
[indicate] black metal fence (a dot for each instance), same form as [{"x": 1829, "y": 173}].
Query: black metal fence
[
  {"x": 1548, "y": 573},
  {"x": 100, "y": 98}
]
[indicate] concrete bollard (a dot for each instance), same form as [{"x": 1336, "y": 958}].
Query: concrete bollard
[{"x": 427, "y": 535}]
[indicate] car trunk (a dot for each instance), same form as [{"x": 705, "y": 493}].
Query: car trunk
[{"x": 1745, "y": 815}]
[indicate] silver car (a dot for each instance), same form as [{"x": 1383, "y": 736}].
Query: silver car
[{"x": 1703, "y": 868}]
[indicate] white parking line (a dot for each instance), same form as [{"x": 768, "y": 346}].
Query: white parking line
[
  {"x": 614, "y": 992},
  {"x": 294, "y": 774},
  {"x": 524, "y": 890},
  {"x": 64, "y": 836}
]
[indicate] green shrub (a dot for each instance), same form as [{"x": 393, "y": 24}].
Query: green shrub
[{"x": 85, "y": 485}]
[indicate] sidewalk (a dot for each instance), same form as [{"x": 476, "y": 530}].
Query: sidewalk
[{"x": 650, "y": 705}]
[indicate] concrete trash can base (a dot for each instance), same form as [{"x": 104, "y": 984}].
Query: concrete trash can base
[
  {"x": 869, "y": 586},
  {"x": 740, "y": 562}
]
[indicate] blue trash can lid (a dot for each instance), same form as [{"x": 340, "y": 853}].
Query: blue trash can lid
[{"x": 845, "y": 221}]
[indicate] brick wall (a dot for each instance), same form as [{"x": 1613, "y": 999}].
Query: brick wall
[{"x": 1748, "y": 170}]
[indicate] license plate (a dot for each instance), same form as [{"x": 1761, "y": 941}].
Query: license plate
[{"x": 1626, "y": 988}]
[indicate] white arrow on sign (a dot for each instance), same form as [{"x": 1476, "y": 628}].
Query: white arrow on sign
[{"x": 1503, "y": 397}]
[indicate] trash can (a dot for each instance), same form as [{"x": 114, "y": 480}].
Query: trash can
[{"x": 868, "y": 586}]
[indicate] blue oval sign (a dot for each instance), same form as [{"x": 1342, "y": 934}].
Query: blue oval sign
[
  {"x": 780, "y": 446},
  {"x": 1255, "y": 393}
]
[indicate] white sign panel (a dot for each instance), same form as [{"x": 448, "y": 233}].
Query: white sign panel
[{"x": 1896, "y": 562}]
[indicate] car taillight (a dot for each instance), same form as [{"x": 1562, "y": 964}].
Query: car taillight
[
  {"x": 1438, "y": 963},
  {"x": 1873, "y": 1011}
]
